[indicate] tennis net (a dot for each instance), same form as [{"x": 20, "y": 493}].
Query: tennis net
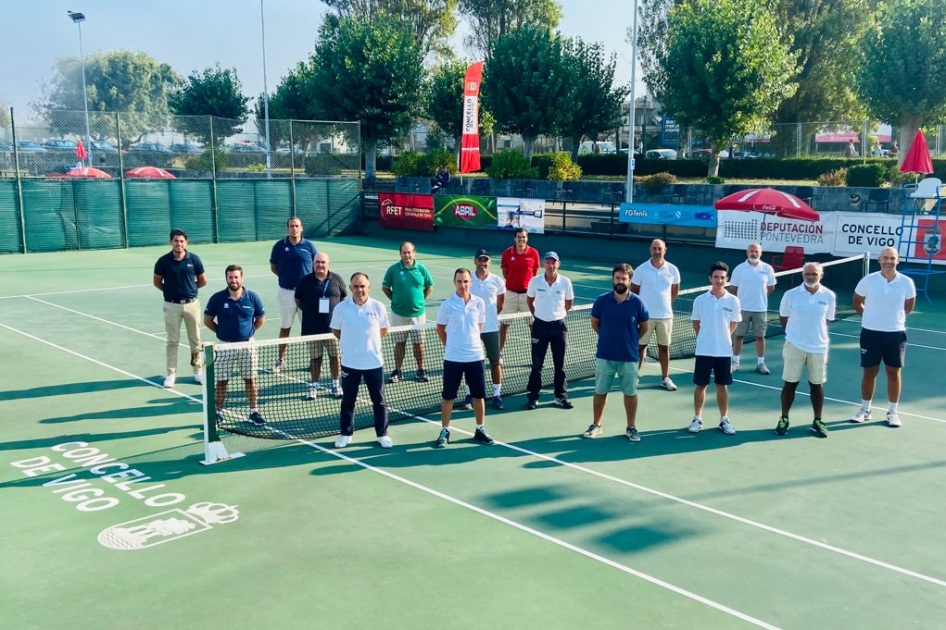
[{"x": 288, "y": 411}]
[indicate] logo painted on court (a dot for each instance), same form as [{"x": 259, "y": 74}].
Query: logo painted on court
[{"x": 163, "y": 527}]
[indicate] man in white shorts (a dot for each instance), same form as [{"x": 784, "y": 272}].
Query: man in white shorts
[
  {"x": 520, "y": 263},
  {"x": 290, "y": 260},
  {"x": 656, "y": 282},
  {"x": 407, "y": 284},
  {"x": 752, "y": 282},
  {"x": 805, "y": 312}
]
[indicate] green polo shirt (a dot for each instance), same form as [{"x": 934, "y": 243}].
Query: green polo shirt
[{"x": 407, "y": 286}]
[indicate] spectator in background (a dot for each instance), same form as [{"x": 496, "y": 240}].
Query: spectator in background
[{"x": 441, "y": 180}]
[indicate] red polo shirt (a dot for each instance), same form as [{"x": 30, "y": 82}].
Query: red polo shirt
[{"x": 520, "y": 268}]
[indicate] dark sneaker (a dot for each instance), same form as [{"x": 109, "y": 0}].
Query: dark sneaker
[
  {"x": 818, "y": 428},
  {"x": 632, "y": 434},
  {"x": 782, "y": 427},
  {"x": 444, "y": 438},
  {"x": 422, "y": 376},
  {"x": 498, "y": 403},
  {"x": 468, "y": 402},
  {"x": 563, "y": 402},
  {"x": 221, "y": 417},
  {"x": 592, "y": 431},
  {"x": 257, "y": 419},
  {"x": 481, "y": 436},
  {"x": 280, "y": 364},
  {"x": 395, "y": 376},
  {"x": 532, "y": 403}
]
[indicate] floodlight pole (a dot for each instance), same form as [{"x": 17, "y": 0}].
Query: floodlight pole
[
  {"x": 631, "y": 118},
  {"x": 78, "y": 19},
  {"x": 269, "y": 160}
]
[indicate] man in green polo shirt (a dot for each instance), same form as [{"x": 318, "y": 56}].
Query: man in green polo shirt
[{"x": 407, "y": 284}]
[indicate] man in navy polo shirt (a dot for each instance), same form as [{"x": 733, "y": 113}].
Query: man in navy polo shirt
[
  {"x": 235, "y": 314},
  {"x": 291, "y": 261},
  {"x": 620, "y": 319},
  {"x": 178, "y": 274}
]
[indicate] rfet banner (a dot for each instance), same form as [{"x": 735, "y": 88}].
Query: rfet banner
[
  {"x": 668, "y": 214},
  {"x": 515, "y": 213},
  {"x": 465, "y": 211},
  {"x": 406, "y": 211}
]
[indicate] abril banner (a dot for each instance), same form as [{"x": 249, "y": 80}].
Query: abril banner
[
  {"x": 406, "y": 211},
  {"x": 517, "y": 213},
  {"x": 668, "y": 214},
  {"x": 465, "y": 211}
]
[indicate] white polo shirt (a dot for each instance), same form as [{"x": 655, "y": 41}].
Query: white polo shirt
[
  {"x": 489, "y": 289},
  {"x": 808, "y": 316},
  {"x": 883, "y": 301},
  {"x": 715, "y": 315},
  {"x": 655, "y": 284},
  {"x": 360, "y": 327},
  {"x": 462, "y": 319},
  {"x": 549, "y": 299},
  {"x": 753, "y": 282}
]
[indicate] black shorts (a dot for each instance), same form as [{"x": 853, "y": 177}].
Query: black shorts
[
  {"x": 721, "y": 368},
  {"x": 472, "y": 371},
  {"x": 878, "y": 345}
]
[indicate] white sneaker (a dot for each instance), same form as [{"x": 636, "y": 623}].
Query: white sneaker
[
  {"x": 726, "y": 426},
  {"x": 199, "y": 377},
  {"x": 862, "y": 415},
  {"x": 735, "y": 365},
  {"x": 169, "y": 381},
  {"x": 893, "y": 420},
  {"x": 313, "y": 392},
  {"x": 761, "y": 369},
  {"x": 342, "y": 441},
  {"x": 667, "y": 384},
  {"x": 696, "y": 425},
  {"x": 385, "y": 441}
]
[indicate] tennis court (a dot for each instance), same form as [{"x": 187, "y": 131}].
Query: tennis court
[{"x": 543, "y": 529}]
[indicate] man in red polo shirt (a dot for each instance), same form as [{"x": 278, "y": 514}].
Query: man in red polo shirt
[{"x": 520, "y": 263}]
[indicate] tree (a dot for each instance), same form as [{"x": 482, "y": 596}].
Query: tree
[
  {"x": 491, "y": 19},
  {"x": 526, "y": 82},
  {"x": 594, "y": 104},
  {"x": 904, "y": 62},
  {"x": 432, "y": 22},
  {"x": 443, "y": 102},
  {"x": 725, "y": 69},
  {"x": 371, "y": 72},
  {"x": 131, "y": 83},
  {"x": 214, "y": 92}
]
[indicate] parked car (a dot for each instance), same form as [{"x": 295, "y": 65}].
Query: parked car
[
  {"x": 156, "y": 147},
  {"x": 101, "y": 146},
  {"x": 247, "y": 148},
  {"x": 186, "y": 147},
  {"x": 702, "y": 154},
  {"x": 60, "y": 144},
  {"x": 30, "y": 146},
  {"x": 661, "y": 154}
]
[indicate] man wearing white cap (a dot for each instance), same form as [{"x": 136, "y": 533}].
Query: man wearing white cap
[{"x": 550, "y": 297}]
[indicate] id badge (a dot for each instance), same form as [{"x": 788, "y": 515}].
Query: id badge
[{"x": 323, "y": 305}]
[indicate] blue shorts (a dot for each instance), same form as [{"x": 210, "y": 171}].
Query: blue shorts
[
  {"x": 472, "y": 372},
  {"x": 878, "y": 345},
  {"x": 720, "y": 367}
]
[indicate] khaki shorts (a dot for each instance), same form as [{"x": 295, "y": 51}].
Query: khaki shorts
[
  {"x": 663, "y": 328},
  {"x": 515, "y": 303},
  {"x": 795, "y": 361},
  {"x": 287, "y": 307},
  {"x": 236, "y": 363},
  {"x": 605, "y": 371},
  {"x": 415, "y": 335},
  {"x": 759, "y": 321},
  {"x": 319, "y": 348}
]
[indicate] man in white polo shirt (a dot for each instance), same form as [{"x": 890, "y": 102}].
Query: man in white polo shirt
[
  {"x": 360, "y": 323},
  {"x": 657, "y": 283},
  {"x": 459, "y": 323},
  {"x": 492, "y": 289},
  {"x": 715, "y": 315},
  {"x": 805, "y": 312},
  {"x": 550, "y": 297},
  {"x": 752, "y": 282},
  {"x": 884, "y": 299}
]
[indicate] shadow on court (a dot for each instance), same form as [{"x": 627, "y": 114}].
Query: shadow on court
[{"x": 68, "y": 389}]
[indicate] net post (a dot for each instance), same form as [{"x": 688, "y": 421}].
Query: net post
[
  {"x": 214, "y": 450},
  {"x": 865, "y": 265}
]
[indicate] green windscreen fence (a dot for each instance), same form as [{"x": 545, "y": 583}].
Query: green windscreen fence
[{"x": 98, "y": 214}]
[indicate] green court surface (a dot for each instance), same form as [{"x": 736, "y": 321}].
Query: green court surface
[{"x": 109, "y": 521}]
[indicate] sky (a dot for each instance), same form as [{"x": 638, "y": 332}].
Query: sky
[{"x": 196, "y": 34}]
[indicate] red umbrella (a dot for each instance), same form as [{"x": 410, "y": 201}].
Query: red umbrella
[
  {"x": 917, "y": 160},
  {"x": 768, "y": 201},
  {"x": 149, "y": 172},
  {"x": 81, "y": 153},
  {"x": 88, "y": 172}
]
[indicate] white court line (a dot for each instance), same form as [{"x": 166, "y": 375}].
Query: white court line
[
  {"x": 909, "y": 343},
  {"x": 542, "y": 535},
  {"x": 601, "y": 475},
  {"x": 102, "y": 364},
  {"x": 104, "y": 321}
]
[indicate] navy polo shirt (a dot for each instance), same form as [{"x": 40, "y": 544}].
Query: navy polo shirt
[
  {"x": 180, "y": 276},
  {"x": 618, "y": 337},
  {"x": 293, "y": 262},
  {"x": 235, "y": 317}
]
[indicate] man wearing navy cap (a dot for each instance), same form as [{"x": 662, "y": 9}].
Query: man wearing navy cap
[
  {"x": 550, "y": 297},
  {"x": 492, "y": 289}
]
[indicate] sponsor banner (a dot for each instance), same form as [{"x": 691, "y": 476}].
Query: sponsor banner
[
  {"x": 668, "y": 214},
  {"x": 521, "y": 213},
  {"x": 737, "y": 229},
  {"x": 465, "y": 211},
  {"x": 857, "y": 232},
  {"x": 470, "y": 136},
  {"x": 929, "y": 237},
  {"x": 406, "y": 211}
]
